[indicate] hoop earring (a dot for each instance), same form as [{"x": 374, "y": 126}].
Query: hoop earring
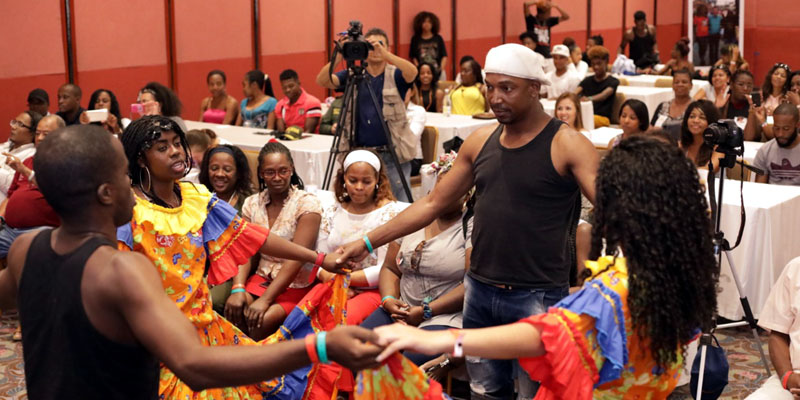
[{"x": 149, "y": 180}]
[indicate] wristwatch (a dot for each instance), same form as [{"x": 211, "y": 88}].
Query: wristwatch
[{"x": 427, "y": 312}]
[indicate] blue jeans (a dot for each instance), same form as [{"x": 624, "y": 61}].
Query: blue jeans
[
  {"x": 394, "y": 176},
  {"x": 9, "y": 234},
  {"x": 380, "y": 317},
  {"x": 487, "y": 305}
]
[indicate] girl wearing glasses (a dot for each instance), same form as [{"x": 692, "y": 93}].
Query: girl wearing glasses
[
  {"x": 18, "y": 147},
  {"x": 260, "y": 302},
  {"x": 421, "y": 282}
]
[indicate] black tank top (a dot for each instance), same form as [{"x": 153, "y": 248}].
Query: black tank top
[
  {"x": 641, "y": 46},
  {"x": 523, "y": 213},
  {"x": 65, "y": 356}
]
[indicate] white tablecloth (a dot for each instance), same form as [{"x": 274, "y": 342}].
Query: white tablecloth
[
  {"x": 769, "y": 242},
  {"x": 310, "y": 154},
  {"x": 651, "y": 96},
  {"x": 601, "y": 136},
  {"x": 750, "y": 150},
  {"x": 650, "y": 81},
  {"x": 587, "y": 112},
  {"x": 454, "y": 125}
]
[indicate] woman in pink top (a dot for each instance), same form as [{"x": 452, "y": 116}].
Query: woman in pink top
[{"x": 220, "y": 108}]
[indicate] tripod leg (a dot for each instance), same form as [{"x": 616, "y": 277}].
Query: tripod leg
[
  {"x": 347, "y": 106},
  {"x": 701, "y": 372},
  {"x": 748, "y": 313}
]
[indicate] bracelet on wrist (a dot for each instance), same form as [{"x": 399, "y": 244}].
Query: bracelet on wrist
[
  {"x": 322, "y": 349},
  {"x": 427, "y": 312},
  {"x": 237, "y": 286},
  {"x": 458, "y": 344},
  {"x": 385, "y": 298},
  {"x": 311, "y": 348},
  {"x": 369, "y": 245},
  {"x": 237, "y": 290},
  {"x": 320, "y": 259}
]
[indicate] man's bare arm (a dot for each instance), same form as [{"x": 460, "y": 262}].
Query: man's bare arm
[{"x": 580, "y": 158}]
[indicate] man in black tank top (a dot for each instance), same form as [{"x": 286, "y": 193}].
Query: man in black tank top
[
  {"x": 642, "y": 38},
  {"x": 528, "y": 172},
  {"x": 96, "y": 321}
]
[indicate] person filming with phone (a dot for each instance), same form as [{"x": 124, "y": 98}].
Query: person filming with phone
[{"x": 380, "y": 63}]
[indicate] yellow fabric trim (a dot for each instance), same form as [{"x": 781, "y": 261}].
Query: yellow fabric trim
[
  {"x": 188, "y": 217},
  {"x": 617, "y": 263}
]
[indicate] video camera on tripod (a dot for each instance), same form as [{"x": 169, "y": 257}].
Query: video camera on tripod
[
  {"x": 355, "y": 47},
  {"x": 728, "y": 139}
]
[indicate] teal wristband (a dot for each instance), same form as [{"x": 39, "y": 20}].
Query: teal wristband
[
  {"x": 369, "y": 245},
  {"x": 322, "y": 348},
  {"x": 237, "y": 290},
  {"x": 383, "y": 300}
]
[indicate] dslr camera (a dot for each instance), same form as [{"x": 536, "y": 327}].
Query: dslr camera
[
  {"x": 726, "y": 136},
  {"x": 355, "y": 48}
]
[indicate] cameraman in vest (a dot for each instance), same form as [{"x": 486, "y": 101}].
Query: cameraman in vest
[{"x": 390, "y": 94}]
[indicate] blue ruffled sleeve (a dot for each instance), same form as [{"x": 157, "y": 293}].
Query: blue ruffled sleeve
[{"x": 220, "y": 216}]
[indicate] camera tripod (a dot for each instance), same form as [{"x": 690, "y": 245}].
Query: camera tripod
[
  {"x": 721, "y": 245},
  {"x": 356, "y": 74}
]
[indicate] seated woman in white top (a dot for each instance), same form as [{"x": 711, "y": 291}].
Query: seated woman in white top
[
  {"x": 421, "y": 282},
  {"x": 364, "y": 201},
  {"x": 568, "y": 109},
  {"x": 262, "y": 301}
]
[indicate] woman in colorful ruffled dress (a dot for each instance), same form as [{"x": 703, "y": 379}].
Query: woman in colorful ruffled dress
[
  {"x": 179, "y": 226},
  {"x": 623, "y": 335}
]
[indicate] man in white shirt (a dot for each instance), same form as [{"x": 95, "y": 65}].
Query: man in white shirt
[
  {"x": 18, "y": 147},
  {"x": 780, "y": 317},
  {"x": 780, "y": 157},
  {"x": 562, "y": 79}
]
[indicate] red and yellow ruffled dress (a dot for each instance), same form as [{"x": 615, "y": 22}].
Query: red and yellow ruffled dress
[
  {"x": 592, "y": 351},
  {"x": 178, "y": 241}
]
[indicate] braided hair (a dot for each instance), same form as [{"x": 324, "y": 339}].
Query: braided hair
[
  {"x": 138, "y": 137},
  {"x": 649, "y": 202},
  {"x": 275, "y": 147}
]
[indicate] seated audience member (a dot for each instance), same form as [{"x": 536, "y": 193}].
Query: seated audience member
[
  {"x": 425, "y": 92},
  {"x": 568, "y": 109},
  {"x": 18, "y": 148},
  {"x": 225, "y": 172},
  {"x": 793, "y": 95},
  {"x": 780, "y": 317},
  {"x": 529, "y": 40},
  {"x": 158, "y": 99},
  {"x": 263, "y": 300},
  {"x": 26, "y": 209},
  {"x": 199, "y": 141},
  {"x": 364, "y": 201},
  {"x": 468, "y": 98},
  {"x": 327, "y": 125},
  {"x": 720, "y": 79},
  {"x": 739, "y": 105},
  {"x": 469, "y": 57},
  {"x": 699, "y": 114},
  {"x": 647, "y": 305},
  {"x": 427, "y": 45},
  {"x": 105, "y": 99},
  {"x": 69, "y": 103},
  {"x": 416, "y": 117},
  {"x": 596, "y": 40},
  {"x": 298, "y": 108},
  {"x": 563, "y": 79},
  {"x": 775, "y": 86},
  {"x": 581, "y": 67},
  {"x": 113, "y": 322},
  {"x": 39, "y": 101},
  {"x": 731, "y": 58},
  {"x": 633, "y": 120},
  {"x": 258, "y": 105},
  {"x": 780, "y": 157},
  {"x": 601, "y": 88},
  {"x": 680, "y": 59},
  {"x": 220, "y": 107},
  {"x": 669, "y": 114},
  {"x": 421, "y": 281}
]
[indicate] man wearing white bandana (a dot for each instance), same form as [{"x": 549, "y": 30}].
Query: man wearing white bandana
[{"x": 528, "y": 172}]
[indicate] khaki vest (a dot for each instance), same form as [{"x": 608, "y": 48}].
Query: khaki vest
[{"x": 394, "y": 112}]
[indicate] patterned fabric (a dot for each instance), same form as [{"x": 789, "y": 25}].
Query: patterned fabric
[
  {"x": 297, "y": 204},
  {"x": 592, "y": 349},
  {"x": 178, "y": 241},
  {"x": 397, "y": 379}
]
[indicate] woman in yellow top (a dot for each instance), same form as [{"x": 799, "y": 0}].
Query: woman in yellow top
[
  {"x": 468, "y": 98},
  {"x": 179, "y": 226}
]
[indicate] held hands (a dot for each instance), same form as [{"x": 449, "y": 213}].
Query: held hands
[
  {"x": 398, "y": 337},
  {"x": 352, "y": 252},
  {"x": 335, "y": 263},
  {"x": 353, "y": 347}
]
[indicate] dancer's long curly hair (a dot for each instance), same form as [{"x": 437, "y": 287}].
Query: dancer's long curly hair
[{"x": 650, "y": 204}]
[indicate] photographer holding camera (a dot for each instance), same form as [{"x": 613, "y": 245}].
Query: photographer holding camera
[{"x": 391, "y": 107}]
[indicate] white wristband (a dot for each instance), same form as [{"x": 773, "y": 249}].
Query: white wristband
[{"x": 372, "y": 274}]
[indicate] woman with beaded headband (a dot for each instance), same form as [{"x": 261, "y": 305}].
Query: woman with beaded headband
[{"x": 180, "y": 226}]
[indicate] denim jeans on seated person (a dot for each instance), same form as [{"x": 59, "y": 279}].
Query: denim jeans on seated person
[
  {"x": 394, "y": 176},
  {"x": 380, "y": 317},
  {"x": 487, "y": 305}
]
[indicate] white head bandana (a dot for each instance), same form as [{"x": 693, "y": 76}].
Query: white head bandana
[
  {"x": 515, "y": 60},
  {"x": 362, "y": 156}
]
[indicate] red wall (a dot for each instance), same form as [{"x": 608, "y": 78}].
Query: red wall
[{"x": 121, "y": 45}]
